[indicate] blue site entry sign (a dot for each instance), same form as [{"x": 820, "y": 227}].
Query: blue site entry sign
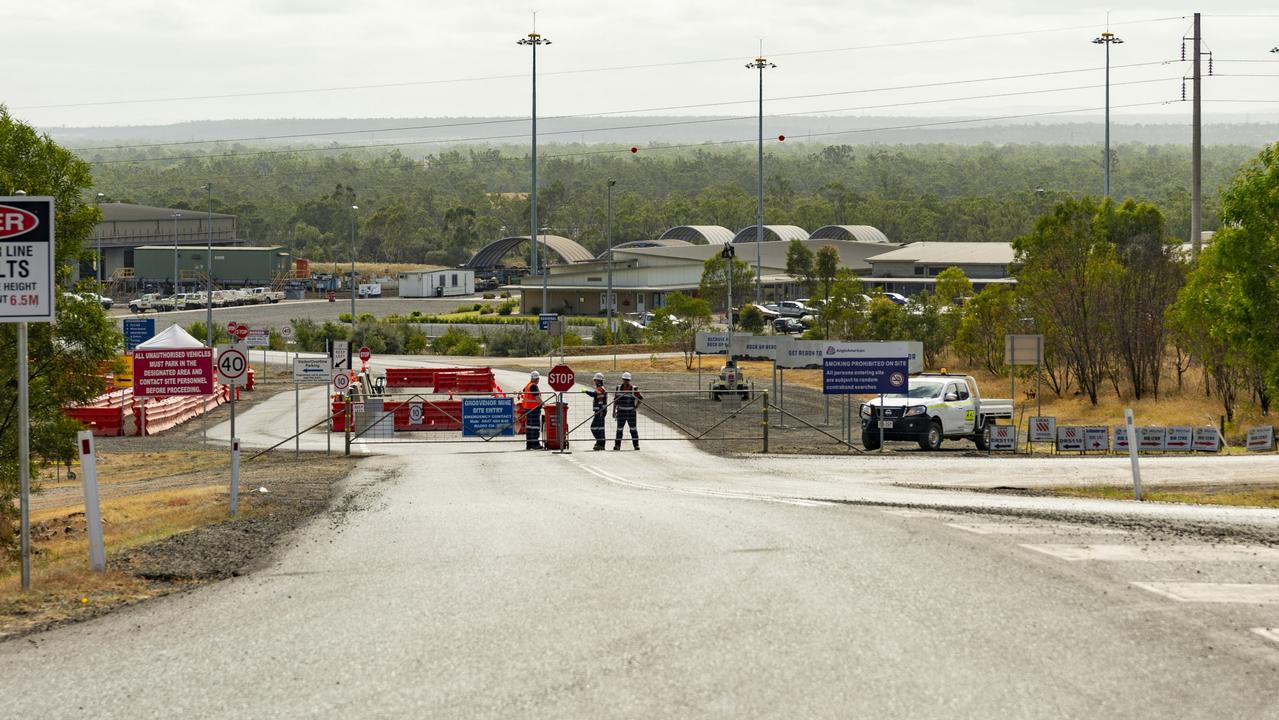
[
  {"x": 545, "y": 319},
  {"x": 488, "y": 416},
  {"x": 865, "y": 376},
  {"x": 138, "y": 331}
]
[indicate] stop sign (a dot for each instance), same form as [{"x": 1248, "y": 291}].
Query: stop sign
[
  {"x": 231, "y": 326},
  {"x": 365, "y": 354},
  {"x": 561, "y": 378},
  {"x": 241, "y": 331}
]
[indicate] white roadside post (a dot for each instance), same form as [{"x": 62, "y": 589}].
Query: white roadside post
[
  {"x": 92, "y": 508},
  {"x": 1132, "y": 453},
  {"x": 27, "y": 232},
  {"x": 235, "y": 475}
]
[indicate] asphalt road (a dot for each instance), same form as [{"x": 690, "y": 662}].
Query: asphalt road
[
  {"x": 276, "y": 316},
  {"x": 479, "y": 580}
]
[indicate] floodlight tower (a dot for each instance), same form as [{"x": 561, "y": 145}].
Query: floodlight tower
[
  {"x": 534, "y": 40},
  {"x": 1107, "y": 38},
  {"x": 761, "y": 64}
]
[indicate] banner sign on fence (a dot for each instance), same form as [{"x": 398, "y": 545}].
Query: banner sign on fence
[
  {"x": 1207, "y": 439},
  {"x": 1180, "y": 438},
  {"x": 488, "y": 416},
  {"x": 1070, "y": 438},
  {"x": 1003, "y": 438},
  {"x": 1151, "y": 439},
  {"x": 1043, "y": 429},
  {"x": 179, "y": 371},
  {"x": 138, "y": 331},
  {"x": 865, "y": 376},
  {"x": 754, "y": 347},
  {"x": 311, "y": 371},
  {"x": 711, "y": 343},
  {"x": 800, "y": 353},
  {"x": 1096, "y": 439},
  {"x": 1261, "y": 439}
]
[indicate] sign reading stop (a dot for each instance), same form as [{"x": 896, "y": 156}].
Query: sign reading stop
[
  {"x": 231, "y": 326},
  {"x": 365, "y": 354},
  {"x": 241, "y": 331},
  {"x": 561, "y": 378}
]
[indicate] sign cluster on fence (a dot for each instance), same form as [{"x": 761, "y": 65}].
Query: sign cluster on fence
[{"x": 1099, "y": 438}]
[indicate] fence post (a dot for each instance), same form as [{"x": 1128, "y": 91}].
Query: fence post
[{"x": 765, "y": 422}]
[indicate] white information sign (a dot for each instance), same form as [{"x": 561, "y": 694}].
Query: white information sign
[
  {"x": 1207, "y": 439},
  {"x": 1070, "y": 438},
  {"x": 1261, "y": 439},
  {"x": 258, "y": 338},
  {"x": 341, "y": 354},
  {"x": 1151, "y": 439},
  {"x": 711, "y": 343},
  {"x": 370, "y": 290},
  {"x": 1121, "y": 437},
  {"x": 1096, "y": 439},
  {"x": 1043, "y": 429},
  {"x": 1003, "y": 438},
  {"x": 1180, "y": 438},
  {"x": 27, "y": 289},
  {"x": 311, "y": 371},
  {"x": 754, "y": 347}
]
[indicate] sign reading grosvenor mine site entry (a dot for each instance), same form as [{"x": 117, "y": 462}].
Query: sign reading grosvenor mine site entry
[{"x": 26, "y": 259}]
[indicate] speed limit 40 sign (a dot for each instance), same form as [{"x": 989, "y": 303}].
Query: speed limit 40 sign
[{"x": 233, "y": 366}]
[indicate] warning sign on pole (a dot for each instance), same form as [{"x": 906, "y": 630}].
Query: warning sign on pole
[{"x": 26, "y": 259}]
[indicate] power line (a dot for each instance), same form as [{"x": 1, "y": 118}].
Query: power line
[
  {"x": 943, "y": 83},
  {"x": 577, "y": 131},
  {"x": 488, "y": 78}
]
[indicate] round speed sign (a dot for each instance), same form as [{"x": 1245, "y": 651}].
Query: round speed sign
[
  {"x": 232, "y": 365},
  {"x": 561, "y": 378}
]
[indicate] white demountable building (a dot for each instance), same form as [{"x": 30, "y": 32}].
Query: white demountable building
[{"x": 437, "y": 283}]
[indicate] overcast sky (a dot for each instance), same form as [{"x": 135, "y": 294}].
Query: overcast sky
[{"x": 461, "y": 58}]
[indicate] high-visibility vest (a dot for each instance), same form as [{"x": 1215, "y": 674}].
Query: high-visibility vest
[{"x": 530, "y": 399}]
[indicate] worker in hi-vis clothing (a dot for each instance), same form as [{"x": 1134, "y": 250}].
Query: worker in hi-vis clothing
[
  {"x": 626, "y": 401},
  {"x": 599, "y": 410},
  {"x": 531, "y": 403}
]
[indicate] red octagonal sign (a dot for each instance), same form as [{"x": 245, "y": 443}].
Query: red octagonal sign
[
  {"x": 242, "y": 331},
  {"x": 561, "y": 378},
  {"x": 365, "y": 354}
]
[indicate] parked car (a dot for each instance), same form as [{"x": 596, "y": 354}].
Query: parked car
[
  {"x": 102, "y": 300},
  {"x": 149, "y": 301},
  {"x": 788, "y": 325},
  {"x": 265, "y": 295},
  {"x": 935, "y": 407},
  {"x": 793, "y": 308},
  {"x": 896, "y": 297}
]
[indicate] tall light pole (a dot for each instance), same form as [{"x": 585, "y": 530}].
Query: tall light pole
[
  {"x": 354, "y": 209},
  {"x": 608, "y": 299},
  {"x": 176, "y": 217},
  {"x": 208, "y": 272},
  {"x": 761, "y": 64},
  {"x": 97, "y": 203},
  {"x": 534, "y": 40},
  {"x": 1107, "y": 38}
]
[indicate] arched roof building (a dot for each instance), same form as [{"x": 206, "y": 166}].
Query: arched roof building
[
  {"x": 860, "y": 233},
  {"x": 699, "y": 234},
  {"x": 490, "y": 256},
  {"x": 667, "y": 242},
  {"x": 772, "y": 233}
]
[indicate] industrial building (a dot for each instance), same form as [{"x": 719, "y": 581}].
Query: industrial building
[
  {"x": 915, "y": 267},
  {"x": 125, "y": 228},
  {"x": 153, "y": 266}
]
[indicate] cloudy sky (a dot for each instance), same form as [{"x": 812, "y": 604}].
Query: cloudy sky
[{"x": 142, "y": 61}]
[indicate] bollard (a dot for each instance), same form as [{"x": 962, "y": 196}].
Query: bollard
[
  {"x": 235, "y": 475},
  {"x": 1132, "y": 453}
]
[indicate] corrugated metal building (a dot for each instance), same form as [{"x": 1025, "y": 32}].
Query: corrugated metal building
[{"x": 232, "y": 266}]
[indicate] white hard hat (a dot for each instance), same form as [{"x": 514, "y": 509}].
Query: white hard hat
[
  {"x": 626, "y": 376},
  {"x": 534, "y": 375},
  {"x": 599, "y": 376}
]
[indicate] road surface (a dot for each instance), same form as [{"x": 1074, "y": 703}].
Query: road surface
[{"x": 479, "y": 580}]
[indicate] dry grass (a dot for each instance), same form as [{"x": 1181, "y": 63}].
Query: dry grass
[
  {"x": 129, "y": 467},
  {"x": 65, "y": 587},
  {"x": 1262, "y": 496}
]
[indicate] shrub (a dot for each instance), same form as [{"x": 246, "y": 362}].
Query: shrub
[
  {"x": 523, "y": 341},
  {"x": 488, "y": 296},
  {"x": 487, "y": 310},
  {"x": 455, "y": 342},
  {"x": 751, "y": 319},
  {"x": 505, "y": 309}
]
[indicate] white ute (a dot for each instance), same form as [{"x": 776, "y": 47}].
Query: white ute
[{"x": 937, "y": 406}]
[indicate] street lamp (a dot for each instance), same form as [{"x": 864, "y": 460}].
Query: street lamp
[
  {"x": 760, "y": 64},
  {"x": 1107, "y": 38},
  {"x": 354, "y": 209},
  {"x": 97, "y": 240},
  {"x": 176, "y": 217},
  {"x": 534, "y": 40},
  {"x": 208, "y": 272},
  {"x": 608, "y": 299}
]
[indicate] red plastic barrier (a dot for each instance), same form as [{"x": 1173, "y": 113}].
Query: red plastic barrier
[
  {"x": 102, "y": 421},
  {"x": 436, "y": 415},
  {"x": 163, "y": 414},
  {"x": 411, "y": 377}
]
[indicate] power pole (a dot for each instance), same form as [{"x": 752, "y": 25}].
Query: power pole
[{"x": 1196, "y": 151}]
